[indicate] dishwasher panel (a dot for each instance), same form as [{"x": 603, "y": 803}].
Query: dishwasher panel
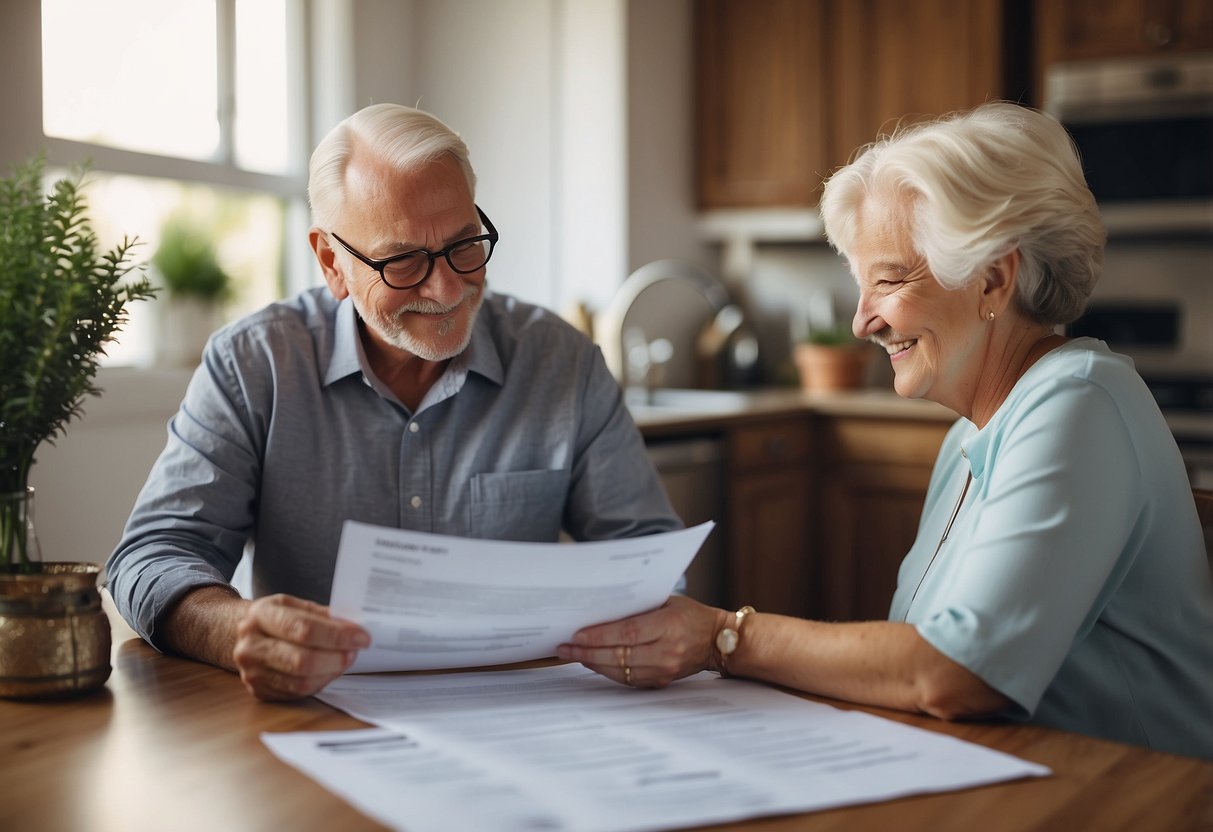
[{"x": 693, "y": 474}]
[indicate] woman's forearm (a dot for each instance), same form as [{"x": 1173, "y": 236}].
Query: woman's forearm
[{"x": 880, "y": 663}]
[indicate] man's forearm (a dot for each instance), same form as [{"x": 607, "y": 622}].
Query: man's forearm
[{"x": 202, "y": 625}]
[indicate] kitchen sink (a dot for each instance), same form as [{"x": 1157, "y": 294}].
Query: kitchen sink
[{"x": 669, "y": 400}]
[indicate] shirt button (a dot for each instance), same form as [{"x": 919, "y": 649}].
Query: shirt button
[
  {"x": 964, "y": 453},
  {"x": 414, "y": 427},
  {"x": 415, "y": 502}
]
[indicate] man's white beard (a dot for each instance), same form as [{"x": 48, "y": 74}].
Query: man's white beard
[{"x": 390, "y": 327}]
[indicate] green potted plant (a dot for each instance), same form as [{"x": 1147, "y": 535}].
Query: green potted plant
[
  {"x": 62, "y": 299},
  {"x": 195, "y": 285},
  {"x": 830, "y": 358}
]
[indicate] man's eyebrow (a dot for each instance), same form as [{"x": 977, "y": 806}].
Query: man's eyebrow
[{"x": 468, "y": 230}]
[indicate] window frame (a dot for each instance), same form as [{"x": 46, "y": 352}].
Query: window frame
[{"x": 222, "y": 170}]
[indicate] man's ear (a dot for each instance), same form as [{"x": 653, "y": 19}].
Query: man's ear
[
  {"x": 998, "y": 288},
  {"x": 327, "y": 258}
]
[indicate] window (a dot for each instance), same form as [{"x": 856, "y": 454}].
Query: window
[{"x": 199, "y": 114}]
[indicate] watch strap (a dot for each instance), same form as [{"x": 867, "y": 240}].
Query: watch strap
[{"x": 730, "y": 636}]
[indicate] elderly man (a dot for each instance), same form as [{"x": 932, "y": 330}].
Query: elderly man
[{"x": 404, "y": 394}]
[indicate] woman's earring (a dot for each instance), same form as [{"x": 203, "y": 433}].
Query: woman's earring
[{"x": 990, "y": 315}]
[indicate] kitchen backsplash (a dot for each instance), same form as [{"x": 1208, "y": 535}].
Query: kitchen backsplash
[{"x": 789, "y": 284}]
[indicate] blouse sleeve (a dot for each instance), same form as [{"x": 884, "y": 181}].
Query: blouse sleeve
[{"x": 1058, "y": 494}]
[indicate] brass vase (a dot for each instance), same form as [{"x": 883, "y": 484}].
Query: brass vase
[{"x": 54, "y": 635}]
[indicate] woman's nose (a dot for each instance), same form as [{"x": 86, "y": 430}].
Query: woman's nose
[{"x": 866, "y": 321}]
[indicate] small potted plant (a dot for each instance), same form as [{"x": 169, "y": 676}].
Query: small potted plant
[
  {"x": 195, "y": 285},
  {"x": 830, "y": 358},
  {"x": 62, "y": 299}
]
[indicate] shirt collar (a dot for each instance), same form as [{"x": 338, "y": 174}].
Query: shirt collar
[
  {"x": 347, "y": 357},
  {"x": 974, "y": 451},
  {"x": 976, "y": 448},
  {"x": 481, "y": 356}
]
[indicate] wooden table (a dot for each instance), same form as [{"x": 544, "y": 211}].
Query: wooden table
[{"x": 171, "y": 744}]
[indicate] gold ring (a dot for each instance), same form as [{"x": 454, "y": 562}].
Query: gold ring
[{"x": 627, "y": 675}]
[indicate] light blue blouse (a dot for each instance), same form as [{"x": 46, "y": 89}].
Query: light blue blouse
[
  {"x": 1074, "y": 578},
  {"x": 285, "y": 432}
]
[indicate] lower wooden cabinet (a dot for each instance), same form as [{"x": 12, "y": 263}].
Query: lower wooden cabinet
[
  {"x": 820, "y": 510},
  {"x": 872, "y": 479},
  {"x": 770, "y": 516}
]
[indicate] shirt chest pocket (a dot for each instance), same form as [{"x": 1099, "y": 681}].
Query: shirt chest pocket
[{"x": 518, "y": 505}]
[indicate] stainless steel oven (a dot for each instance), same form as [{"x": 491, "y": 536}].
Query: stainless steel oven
[
  {"x": 1144, "y": 127},
  {"x": 1145, "y": 330}
]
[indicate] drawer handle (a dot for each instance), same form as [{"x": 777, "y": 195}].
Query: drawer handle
[{"x": 777, "y": 446}]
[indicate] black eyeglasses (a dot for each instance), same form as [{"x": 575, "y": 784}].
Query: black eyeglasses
[{"x": 411, "y": 269}]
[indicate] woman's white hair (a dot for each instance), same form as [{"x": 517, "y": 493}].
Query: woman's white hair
[
  {"x": 981, "y": 184},
  {"x": 403, "y": 137}
]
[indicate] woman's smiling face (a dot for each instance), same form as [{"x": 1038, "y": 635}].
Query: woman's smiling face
[{"x": 935, "y": 337}]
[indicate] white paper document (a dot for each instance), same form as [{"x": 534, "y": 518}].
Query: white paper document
[
  {"x": 561, "y": 748},
  {"x": 434, "y": 601}
]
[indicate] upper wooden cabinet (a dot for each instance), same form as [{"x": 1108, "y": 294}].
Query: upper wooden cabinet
[
  {"x": 786, "y": 90},
  {"x": 895, "y": 60},
  {"x": 760, "y": 78},
  {"x": 1074, "y": 30}
]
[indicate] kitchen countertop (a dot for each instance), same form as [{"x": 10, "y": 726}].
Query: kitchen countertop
[{"x": 669, "y": 412}]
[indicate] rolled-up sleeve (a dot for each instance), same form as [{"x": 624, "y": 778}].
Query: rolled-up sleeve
[{"x": 196, "y": 510}]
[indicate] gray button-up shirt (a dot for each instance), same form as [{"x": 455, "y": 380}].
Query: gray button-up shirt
[{"x": 285, "y": 432}]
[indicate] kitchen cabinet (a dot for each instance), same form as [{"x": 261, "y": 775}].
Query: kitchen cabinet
[
  {"x": 872, "y": 480},
  {"x": 821, "y": 495},
  {"x": 1075, "y": 30},
  {"x": 760, "y": 78},
  {"x": 770, "y": 515},
  {"x": 894, "y": 60},
  {"x": 786, "y": 90}
]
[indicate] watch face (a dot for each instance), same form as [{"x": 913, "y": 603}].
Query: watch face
[{"x": 726, "y": 641}]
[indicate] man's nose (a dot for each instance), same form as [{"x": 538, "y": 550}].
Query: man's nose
[{"x": 445, "y": 285}]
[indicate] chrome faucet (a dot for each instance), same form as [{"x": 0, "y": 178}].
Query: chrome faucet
[
  {"x": 644, "y": 365},
  {"x": 638, "y": 363}
]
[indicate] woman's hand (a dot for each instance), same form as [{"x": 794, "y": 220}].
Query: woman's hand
[{"x": 652, "y": 649}]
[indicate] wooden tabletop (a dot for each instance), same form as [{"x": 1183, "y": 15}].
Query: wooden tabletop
[{"x": 171, "y": 744}]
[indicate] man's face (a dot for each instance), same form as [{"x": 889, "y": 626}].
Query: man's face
[{"x": 387, "y": 212}]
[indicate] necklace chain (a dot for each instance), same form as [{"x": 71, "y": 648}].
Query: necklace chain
[{"x": 946, "y": 531}]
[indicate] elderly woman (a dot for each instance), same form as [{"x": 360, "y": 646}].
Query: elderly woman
[{"x": 1059, "y": 573}]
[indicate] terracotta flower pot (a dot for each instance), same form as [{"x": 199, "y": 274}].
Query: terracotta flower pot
[{"x": 825, "y": 368}]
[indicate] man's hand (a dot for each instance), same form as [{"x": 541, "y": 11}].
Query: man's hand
[
  {"x": 283, "y": 647},
  {"x": 288, "y": 648}
]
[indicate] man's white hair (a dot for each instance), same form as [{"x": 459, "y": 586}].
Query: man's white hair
[{"x": 404, "y": 137}]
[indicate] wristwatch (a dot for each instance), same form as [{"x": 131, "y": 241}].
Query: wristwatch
[{"x": 729, "y": 637}]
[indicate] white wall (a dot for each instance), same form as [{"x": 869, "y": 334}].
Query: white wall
[
  {"x": 86, "y": 482},
  {"x": 661, "y": 209}
]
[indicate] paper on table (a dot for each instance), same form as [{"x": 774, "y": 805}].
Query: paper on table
[
  {"x": 434, "y": 601},
  {"x": 562, "y": 748}
]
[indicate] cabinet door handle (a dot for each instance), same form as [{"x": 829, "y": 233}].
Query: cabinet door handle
[
  {"x": 1159, "y": 34},
  {"x": 777, "y": 446}
]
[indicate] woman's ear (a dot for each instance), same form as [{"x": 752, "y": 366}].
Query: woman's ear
[
  {"x": 998, "y": 289},
  {"x": 327, "y": 258}
]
